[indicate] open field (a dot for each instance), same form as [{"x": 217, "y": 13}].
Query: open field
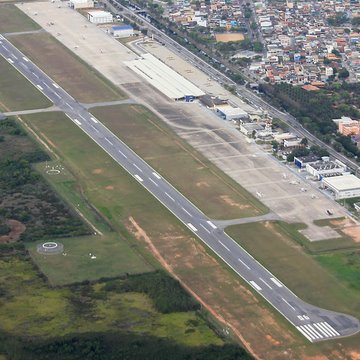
[
  {"x": 123, "y": 201},
  {"x": 190, "y": 172},
  {"x": 226, "y": 37},
  {"x": 114, "y": 257},
  {"x": 30, "y": 308},
  {"x": 81, "y": 81},
  {"x": 270, "y": 244},
  {"x": 11, "y": 97},
  {"x": 13, "y": 20}
]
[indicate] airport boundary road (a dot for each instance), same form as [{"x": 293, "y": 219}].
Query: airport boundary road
[{"x": 314, "y": 323}]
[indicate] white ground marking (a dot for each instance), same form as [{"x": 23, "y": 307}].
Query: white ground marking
[
  {"x": 122, "y": 154},
  {"x": 157, "y": 175},
  {"x": 10, "y": 61},
  {"x": 25, "y": 59},
  {"x": 186, "y": 211},
  {"x": 137, "y": 167},
  {"x": 138, "y": 177},
  {"x": 211, "y": 224},
  {"x": 94, "y": 120},
  {"x": 192, "y": 227},
  {"x": 247, "y": 266},
  {"x": 261, "y": 279},
  {"x": 330, "y": 328},
  {"x": 23, "y": 65},
  {"x": 323, "y": 330},
  {"x": 69, "y": 106},
  {"x": 276, "y": 282},
  {"x": 305, "y": 330},
  {"x": 55, "y": 86},
  {"x": 35, "y": 74},
  {"x": 207, "y": 230},
  {"x": 39, "y": 87},
  {"x": 82, "y": 117},
  {"x": 314, "y": 331},
  {"x": 93, "y": 127},
  {"x": 285, "y": 301},
  {"x": 224, "y": 245},
  {"x": 153, "y": 181},
  {"x": 14, "y": 56},
  {"x": 169, "y": 196},
  {"x": 255, "y": 285},
  {"x": 109, "y": 141},
  {"x": 57, "y": 95},
  {"x": 304, "y": 333},
  {"x": 77, "y": 121}
]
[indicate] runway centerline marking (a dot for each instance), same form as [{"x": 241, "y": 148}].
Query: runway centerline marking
[
  {"x": 93, "y": 127},
  {"x": 207, "y": 230},
  {"x": 186, "y": 211},
  {"x": 169, "y": 196},
  {"x": 262, "y": 280},
  {"x": 286, "y": 302},
  {"x": 137, "y": 167},
  {"x": 109, "y": 141},
  {"x": 153, "y": 181},
  {"x": 247, "y": 266},
  {"x": 121, "y": 153},
  {"x": 221, "y": 243}
]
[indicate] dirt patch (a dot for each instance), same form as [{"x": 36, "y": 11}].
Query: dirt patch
[
  {"x": 342, "y": 222},
  {"x": 226, "y": 37},
  {"x": 109, "y": 187},
  {"x": 17, "y": 228},
  {"x": 97, "y": 171},
  {"x": 353, "y": 232},
  {"x": 231, "y": 202},
  {"x": 202, "y": 184},
  {"x": 354, "y": 355}
]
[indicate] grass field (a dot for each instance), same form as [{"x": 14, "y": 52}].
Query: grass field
[
  {"x": 30, "y": 308},
  {"x": 192, "y": 174},
  {"x": 16, "y": 92},
  {"x": 13, "y": 20},
  {"x": 269, "y": 244},
  {"x": 75, "y": 76}
]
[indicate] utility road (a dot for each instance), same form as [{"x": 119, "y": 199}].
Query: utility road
[{"x": 314, "y": 323}]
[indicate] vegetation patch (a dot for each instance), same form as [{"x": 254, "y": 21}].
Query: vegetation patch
[
  {"x": 203, "y": 183},
  {"x": 14, "y": 20},
  {"x": 16, "y": 92},
  {"x": 84, "y": 83}
]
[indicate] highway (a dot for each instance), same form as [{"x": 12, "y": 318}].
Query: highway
[
  {"x": 314, "y": 323},
  {"x": 241, "y": 90}
]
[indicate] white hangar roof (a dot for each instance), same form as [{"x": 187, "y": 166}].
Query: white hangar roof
[{"x": 162, "y": 77}]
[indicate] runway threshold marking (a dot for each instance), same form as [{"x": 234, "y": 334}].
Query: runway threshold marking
[
  {"x": 224, "y": 246},
  {"x": 304, "y": 333},
  {"x": 262, "y": 280},
  {"x": 169, "y": 196},
  {"x": 330, "y": 328},
  {"x": 207, "y": 230},
  {"x": 276, "y": 282},
  {"x": 323, "y": 330},
  {"x": 138, "y": 178},
  {"x": 157, "y": 175},
  {"x": 192, "y": 227},
  {"x": 247, "y": 266},
  {"x": 212, "y": 225},
  {"x": 255, "y": 285}
]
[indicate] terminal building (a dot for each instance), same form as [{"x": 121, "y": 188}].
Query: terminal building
[{"x": 343, "y": 187}]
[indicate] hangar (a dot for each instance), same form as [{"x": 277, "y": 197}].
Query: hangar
[
  {"x": 163, "y": 78},
  {"x": 345, "y": 186}
]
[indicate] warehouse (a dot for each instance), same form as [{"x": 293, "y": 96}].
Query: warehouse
[
  {"x": 122, "y": 31},
  {"x": 100, "y": 17},
  {"x": 163, "y": 78},
  {"x": 81, "y": 4},
  {"x": 343, "y": 187},
  {"x": 326, "y": 168},
  {"x": 231, "y": 113}
]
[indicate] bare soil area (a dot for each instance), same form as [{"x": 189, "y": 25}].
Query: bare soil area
[{"x": 17, "y": 228}]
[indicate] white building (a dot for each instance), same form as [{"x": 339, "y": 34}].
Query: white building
[
  {"x": 347, "y": 186},
  {"x": 231, "y": 113},
  {"x": 122, "y": 31},
  {"x": 100, "y": 17},
  {"x": 81, "y": 4},
  {"x": 326, "y": 168}
]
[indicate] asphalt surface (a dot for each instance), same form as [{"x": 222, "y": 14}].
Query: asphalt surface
[{"x": 314, "y": 323}]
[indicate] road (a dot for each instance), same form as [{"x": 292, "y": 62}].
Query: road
[
  {"x": 314, "y": 323},
  {"x": 241, "y": 90}
]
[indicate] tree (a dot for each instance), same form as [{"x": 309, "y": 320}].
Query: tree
[
  {"x": 304, "y": 141},
  {"x": 355, "y": 21},
  {"x": 343, "y": 74}
]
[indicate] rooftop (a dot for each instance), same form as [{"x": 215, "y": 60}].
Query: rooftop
[{"x": 343, "y": 182}]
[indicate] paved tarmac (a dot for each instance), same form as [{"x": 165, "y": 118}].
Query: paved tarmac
[{"x": 314, "y": 323}]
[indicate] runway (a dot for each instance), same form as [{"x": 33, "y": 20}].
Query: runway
[{"x": 314, "y": 323}]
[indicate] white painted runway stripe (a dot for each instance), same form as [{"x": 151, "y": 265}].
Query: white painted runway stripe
[
  {"x": 57, "y": 95},
  {"x": 69, "y": 106},
  {"x": 55, "y": 86},
  {"x": 94, "y": 120},
  {"x": 186, "y": 211},
  {"x": 169, "y": 196},
  {"x": 47, "y": 85},
  {"x": 153, "y": 181},
  {"x": 211, "y": 224},
  {"x": 23, "y": 65},
  {"x": 77, "y": 121},
  {"x": 276, "y": 282},
  {"x": 137, "y": 167},
  {"x": 303, "y": 332},
  {"x": 93, "y": 127},
  {"x": 247, "y": 266},
  {"x": 82, "y": 117},
  {"x": 121, "y": 152},
  {"x": 192, "y": 227},
  {"x": 286, "y": 302},
  {"x": 261, "y": 279},
  {"x": 36, "y": 75},
  {"x": 10, "y": 61},
  {"x": 207, "y": 230},
  {"x": 330, "y": 328},
  {"x": 39, "y": 87},
  {"x": 157, "y": 175},
  {"x": 310, "y": 329},
  {"x": 224, "y": 246},
  {"x": 322, "y": 331},
  {"x": 25, "y": 59},
  {"x": 138, "y": 178},
  {"x": 14, "y": 56},
  {"x": 109, "y": 141},
  {"x": 255, "y": 285}
]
